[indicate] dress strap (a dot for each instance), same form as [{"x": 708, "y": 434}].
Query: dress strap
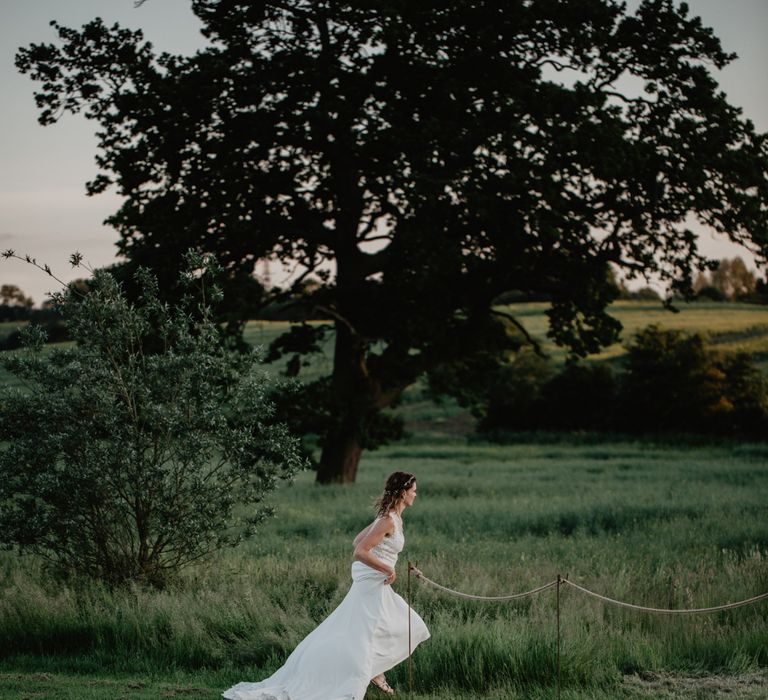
[{"x": 392, "y": 515}]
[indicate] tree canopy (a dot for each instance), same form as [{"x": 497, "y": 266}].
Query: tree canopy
[
  {"x": 11, "y": 295},
  {"x": 419, "y": 159}
]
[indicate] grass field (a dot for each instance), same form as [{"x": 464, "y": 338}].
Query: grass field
[
  {"x": 650, "y": 524},
  {"x": 51, "y": 686},
  {"x": 664, "y": 525}
]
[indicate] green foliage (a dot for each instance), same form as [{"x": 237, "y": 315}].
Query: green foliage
[
  {"x": 746, "y": 390},
  {"x": 424, "y": 152},
  {"x": 671, "y": 382},
  {"x": 581, "y": 397},
  {"x": 530, "y": 395},
  {"x": 56, "y": 331},
  {"x": 711, "y": 293},
  {"x": 129, "y": 455},
  {"x": 472, "y": 379},
  {"x": 315, "y": 410},
  {"x": 516, "y": 390},
  {"x": 642, "y": 294}
]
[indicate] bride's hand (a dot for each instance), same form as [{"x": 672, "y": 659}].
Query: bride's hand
[{"x": 391, "y": 577}]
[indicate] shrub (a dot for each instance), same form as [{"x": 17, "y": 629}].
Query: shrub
[
  {"x": 674, "y": 382},
  {"x": 129, "y": 454},
  {"x": 644, "y": 294},
  {"x": 710, "y": 293},
  {"x": 581, "y": 397},
  {"x": 747, "y": 392},
  {"x": 515, "y": 395}
]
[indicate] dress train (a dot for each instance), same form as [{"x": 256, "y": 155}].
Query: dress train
[{"x": 367, "y": 634}]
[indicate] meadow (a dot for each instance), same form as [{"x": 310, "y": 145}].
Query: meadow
[
  {"x": 652, "y": 524},
  {"x": 677, "y": 524}
]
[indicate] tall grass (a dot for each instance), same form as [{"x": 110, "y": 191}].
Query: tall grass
[{"x": 650, "y": 524}]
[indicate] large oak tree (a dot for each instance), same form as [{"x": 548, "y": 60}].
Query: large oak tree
[{"x": 420, "y": 157}]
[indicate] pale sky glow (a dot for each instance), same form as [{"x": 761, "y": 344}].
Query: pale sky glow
[{"x": 43, "y": 207}]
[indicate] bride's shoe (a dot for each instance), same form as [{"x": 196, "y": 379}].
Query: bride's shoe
[{"x": 381, "y": 683}]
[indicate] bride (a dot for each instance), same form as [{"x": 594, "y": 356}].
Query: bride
[{"x": 367, "y": 634}]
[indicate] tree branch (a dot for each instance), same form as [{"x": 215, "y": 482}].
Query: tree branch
[
  {"x": 529, "y": 338},
  {"x": 335, "y": 314}
]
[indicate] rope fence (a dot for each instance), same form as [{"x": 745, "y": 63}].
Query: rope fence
[
  {"x": 469, "y": 596},
  {"x": 557, "y": 584},
  {"x": 667, "y": 611}
]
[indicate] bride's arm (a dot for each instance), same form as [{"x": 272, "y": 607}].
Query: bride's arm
[
  {"x": 374, "y": 534},
  {"x": 361, "y": 534}
]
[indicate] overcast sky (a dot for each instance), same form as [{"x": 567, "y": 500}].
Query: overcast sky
[{"x": 43, "y": 207}]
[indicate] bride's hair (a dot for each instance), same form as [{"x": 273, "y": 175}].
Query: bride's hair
[{"x": 397, "y": 483}]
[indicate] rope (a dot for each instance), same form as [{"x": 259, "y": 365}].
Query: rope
[
  {"x": 679, "y": 611},
  {"x": 420, "y": 575}
]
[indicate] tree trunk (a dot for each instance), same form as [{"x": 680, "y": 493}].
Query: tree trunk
[
  {"x": 341, "y": 455},
  {"x": 350, "y": 384}
]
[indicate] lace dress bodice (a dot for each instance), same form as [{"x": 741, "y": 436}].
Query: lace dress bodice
[{"x": 389, "y": 547}]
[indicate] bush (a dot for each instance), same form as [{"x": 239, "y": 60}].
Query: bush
[
  {"x": 528, "y": 395},
  {"x": 128, "y": 455},
  {"x": 645, "y": 294},
  {"x": 672, "y": 383},
  {"x": 581, "y": 397},
  {"x": 710, "y": 293},
  {"x": 747, "y": 392},
  {"x": 515, "y": 395}
]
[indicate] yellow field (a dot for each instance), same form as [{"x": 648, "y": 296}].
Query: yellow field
[{"x": 730, "y": 327}]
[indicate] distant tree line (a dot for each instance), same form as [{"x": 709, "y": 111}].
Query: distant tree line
[
  {"x": 12, "y": 299},
  {"x": 17, "y": 306},
  {"x": 731, "y": 280},
  {"x": 670, "y": 382},
  {"x": 623, "y": 292}
]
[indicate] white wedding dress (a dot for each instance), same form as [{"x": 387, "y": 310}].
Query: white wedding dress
[{"x": 364, "y": 636}]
